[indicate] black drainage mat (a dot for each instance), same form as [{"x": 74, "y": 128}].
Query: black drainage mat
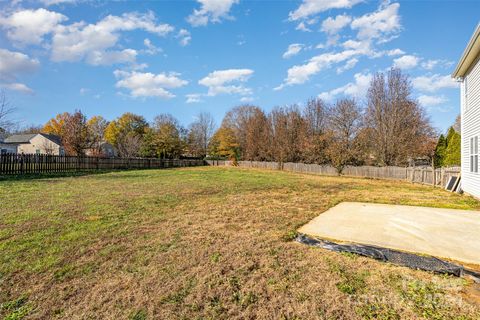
[{"x": 413, "y": 261}]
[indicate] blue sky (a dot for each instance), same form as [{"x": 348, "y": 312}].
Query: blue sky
[{"x": 186, "y": 57}]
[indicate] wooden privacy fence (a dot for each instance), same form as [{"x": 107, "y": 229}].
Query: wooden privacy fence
[
  {"x": 14, "y": 164},
  {"x": 424, "y": 175}
]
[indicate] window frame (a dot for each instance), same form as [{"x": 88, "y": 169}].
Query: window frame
[{"x": 474, "y": 154}]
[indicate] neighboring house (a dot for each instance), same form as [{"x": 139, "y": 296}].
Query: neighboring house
[
  {"x": 7, "y": 148},
  {"x": 467, "y": 73},
  {"x": 35, "y": 143},
  {"x": 105, "y": 149}
]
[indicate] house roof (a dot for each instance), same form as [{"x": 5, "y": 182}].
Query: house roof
[
  {"x": 52, "y": 137},
  {"x": 20, "y": 138},
  {"x": 469, "y": 56},
  {"x": 25, "y": 138}
]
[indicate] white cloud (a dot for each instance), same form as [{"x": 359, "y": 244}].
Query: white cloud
[
  {"x": 312, "y": 7},
  {"x": 302, "y": 26},
  {"x": 193, "y": 98},
  {"x": 406, "y": 62},
  {"x": 20, "y": 87},
  {"x": 434, "y": 82},
  {"x": 211, "y": 11},
  {"x": 333, "y": 25},
  {"x": 349, "y": 65},
  {"x": 54, "y": 2},
  {"x": 357, "y": 89},
  {"x": 227, "y": 81},
  {"x": 151, "y": 48},
  {"x": 146, "y": 84},
  {"x": 395, "y": 52},
  {"x": 98, "y": 58},
  {"x": 429, "y": 101},
  {"x": 431, "y": 64},
  {"x": 13, "y": 64},
  {"x": 30, "y": 26},
  {"x": 95, "y": 43},
  {"x": 301, "y": 73},
  {"x": 381, "y": 24},
  {"x": 246, "y": 99},
  {"x": 184, "y": 36},
  {"x": 292, "y": 50},
  {"x": 84, "y": 91},
  {"x": 373, "y": 28}
]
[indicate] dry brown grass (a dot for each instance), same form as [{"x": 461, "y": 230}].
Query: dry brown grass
[{"x": 205, "y": 243}]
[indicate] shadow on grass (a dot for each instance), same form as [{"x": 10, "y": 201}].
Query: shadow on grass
[
  {"x": 80, "y": 173},
  {"x": 49, "y": 175}
]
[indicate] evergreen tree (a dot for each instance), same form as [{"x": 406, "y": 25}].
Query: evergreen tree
[
  {"x": 440, "y": 151},
  {"x": 452, "y": 152}
]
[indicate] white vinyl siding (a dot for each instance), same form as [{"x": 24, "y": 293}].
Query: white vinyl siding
[{"x": 471, "y": 130}]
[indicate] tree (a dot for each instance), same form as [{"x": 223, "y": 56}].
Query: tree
[
  {"x": 399, "y": 126},
  {"x": 452, "y": 152},
  {"x": 128, "y": 144},
  {"x": 344, "y": 123},
  {"x": 165, "y": 138},
  {"x": 457, "y": 125},
  {"x": 315, "y": 115},
  {"x": 288, "y": 134},
  {"x": 48, "y": 147},
  {"x": 6, "y": 109},
  {"x": 440, "y": 150},
  {"x": 75, "y": 137},
  {"x": 238, "y": 119},
  {"x": 72, "y": 130},
  {"x": 126, "y": 134},
  {"x": 29, "y": 129},
  {"x": 56, "y": 125},
  {"x": 224, "y": 144},
  {"x": 96, "y": 133},
  {"x": 257, "y": 137},
  {"x": 200, "y": 133}
]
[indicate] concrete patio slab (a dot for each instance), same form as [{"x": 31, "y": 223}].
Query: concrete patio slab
[{"x": 444, "y": 233}]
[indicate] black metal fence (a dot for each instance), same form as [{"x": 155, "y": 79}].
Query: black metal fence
[{"x": 15, "y": 164}]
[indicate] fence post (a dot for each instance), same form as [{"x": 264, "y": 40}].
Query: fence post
[{"x": 22, "y": 167}]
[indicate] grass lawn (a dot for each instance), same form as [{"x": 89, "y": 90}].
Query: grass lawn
[{"x": 205, "y": 243}]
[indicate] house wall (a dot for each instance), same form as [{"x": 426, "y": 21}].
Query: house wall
[
  {"x": 42, "y": 144},
  {"x": 470, "y": 104}
]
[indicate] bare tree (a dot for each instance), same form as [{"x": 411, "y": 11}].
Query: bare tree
[
  {"x": 344, "y": 125},
  {"x": 288, "y": 134},
  {"x": 6, "y": 109},
  {"x": 48, "y": 147},
  {"x": 237, "y": 120},
  {"x": 457, "y": 125},
  {"x": 316, "y": 116},
  {"x": 129, "y": 144},
  {"x": 398, "y": 125},
  {"x": 258, "y": 137},
  {"x": 200, "y": 133},
  {"x": 96, "y": 134},
  {"x": 28, "y": 129}
]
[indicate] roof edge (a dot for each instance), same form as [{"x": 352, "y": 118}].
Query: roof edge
[{"x": 469, "y": 54}]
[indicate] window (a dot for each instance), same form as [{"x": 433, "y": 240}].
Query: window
[
  {"x": 474, "y": 154},
  {"x": 37, "y": 151}
]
